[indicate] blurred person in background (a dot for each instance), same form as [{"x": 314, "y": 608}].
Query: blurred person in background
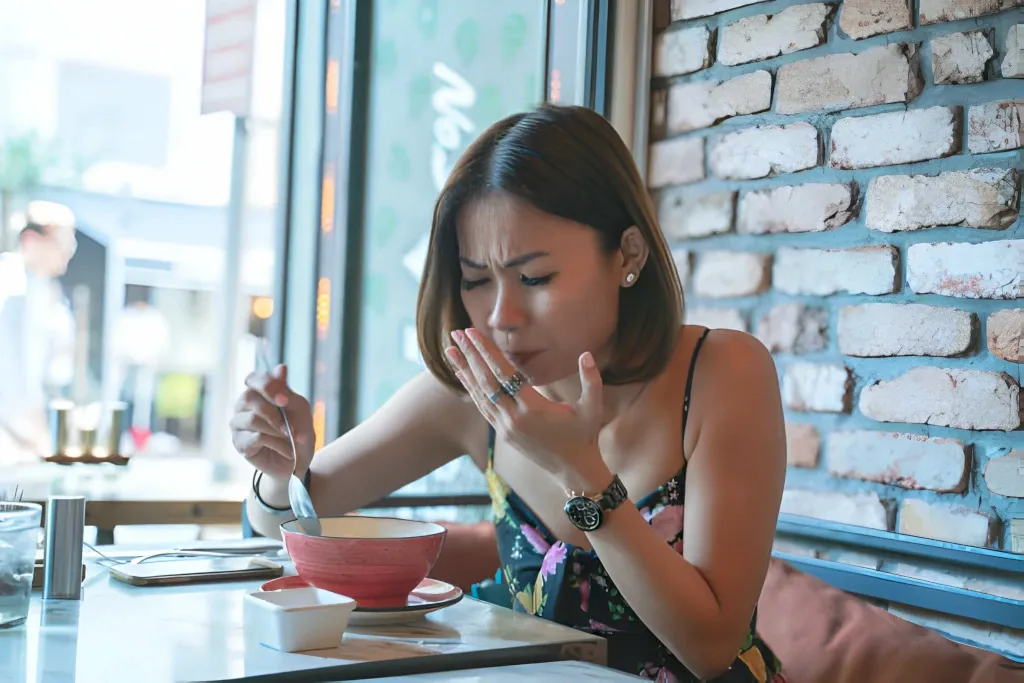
[{"x": 36, "y": 328}]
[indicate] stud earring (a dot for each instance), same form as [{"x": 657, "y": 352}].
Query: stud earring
[{"x": 630, "y": 278}]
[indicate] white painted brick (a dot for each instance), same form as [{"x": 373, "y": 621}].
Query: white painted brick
[
  {"x": 865, "y": 18},
  {"x": 990, "y": 270},
  {"x": 943, "y": 522},
  {"x": 803, "y": 443},
  {"x": 856, "y": 559},
  {"x": 1004, "y": 588},
  {"x": 1013, "y": 62},
  {"x": 682, "y": 261},
  {"x": 765, "y": 36},
  {"x": 765, "y": 151},
  {"x": 960, "y": 57},
  {"x": 964, "y": 399},
  {"x": 716, "y": 318},
  {"x": 685, "y": 215},
  {"x": 862, "y": 509},
  {"x": 816, "y": 387},
  {"x": 935, "y": 11},
  {"x": 1005, "y": 335},
  {"x": 696, "y": 105},
  {"x": 659, "y": 114},
  {"x": 997, "y": 638},
  {"x": 905, "y": 460},
  {"x": 1005, "y": 475},
  {"x": 692, "y": 9},
  {"x": 722, "y": 274},
  {"x": 880, "y": 330},
  {"x": 995, "y": 127},
  {"x": 813, "y": 207},
  {"x": 675, "y": 162},
  {"x": 878, "y": 75},
  {"x": 821, "y": 272},
  {"x": 979, "y": 198},
  {"x": 901, "y": 137},
  {"x": 794, "y": 548},
  {"x": 682, "y": 51},
  {"x": 793, "y": 327}
]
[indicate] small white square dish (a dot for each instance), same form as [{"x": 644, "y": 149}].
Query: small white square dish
[{"x": 298, "y": 619}]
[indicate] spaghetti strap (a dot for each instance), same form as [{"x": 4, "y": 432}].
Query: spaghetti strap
[{"x": 689, "y": 377}]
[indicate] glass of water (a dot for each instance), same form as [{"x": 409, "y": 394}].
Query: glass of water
[{"x": 19, "y": 534}]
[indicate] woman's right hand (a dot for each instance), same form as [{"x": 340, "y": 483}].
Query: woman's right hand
[{"x": 258, "y": 432}]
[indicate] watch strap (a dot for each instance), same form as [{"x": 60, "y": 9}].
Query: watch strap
[{"x": 613, "y": 496}]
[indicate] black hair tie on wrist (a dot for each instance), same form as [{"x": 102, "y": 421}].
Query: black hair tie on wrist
[{"x": 256, "y": 477}]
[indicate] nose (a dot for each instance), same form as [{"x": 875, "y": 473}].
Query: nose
[{"x": 507, "y": 314}]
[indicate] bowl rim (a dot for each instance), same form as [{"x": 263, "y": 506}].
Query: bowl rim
[{"x": 440, "y": 530}]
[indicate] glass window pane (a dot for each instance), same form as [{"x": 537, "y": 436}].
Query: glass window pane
[
  {"x": 464, "y": 514},
  {"x": 443, "y": 71},
  {"x": 100, "y": 116}
]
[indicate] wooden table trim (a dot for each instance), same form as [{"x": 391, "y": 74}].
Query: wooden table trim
[{"x": 105, "y": 515}]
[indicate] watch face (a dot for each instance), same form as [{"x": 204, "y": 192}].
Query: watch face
[{"x": 584, "y": 513}]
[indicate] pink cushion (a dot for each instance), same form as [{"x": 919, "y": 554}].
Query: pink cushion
[{"x": 824, "y": 635}]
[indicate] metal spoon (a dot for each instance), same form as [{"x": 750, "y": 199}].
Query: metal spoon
[{"x": 298, "y": 496}]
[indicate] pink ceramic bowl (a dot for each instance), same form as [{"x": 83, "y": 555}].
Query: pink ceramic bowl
[{"x": 377, "y": 561}]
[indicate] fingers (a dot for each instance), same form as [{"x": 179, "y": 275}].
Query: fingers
[
  {"x": 475, "y": 362},
  {"x": 476, "y": 368},
  {"x": 273, "y": 389},
  {"x": 590, "y": 402},
  {"x": 491, "y": 356},
  {"x": 484, "y": 404},
  {"x": 498, "y": 369},
  {"x": 252, "y": 443},
  {"x": 259, "y": 411}
]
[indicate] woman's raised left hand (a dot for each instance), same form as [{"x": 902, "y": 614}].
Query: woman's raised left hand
[{"x": 560, "y": 437}]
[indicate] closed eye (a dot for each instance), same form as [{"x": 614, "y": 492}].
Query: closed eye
[
  {"x": 473, "y": 284},
  {"x": 536, "y": 281}
]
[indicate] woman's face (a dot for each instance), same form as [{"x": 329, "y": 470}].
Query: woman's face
[{"x": 541, "y": 286}]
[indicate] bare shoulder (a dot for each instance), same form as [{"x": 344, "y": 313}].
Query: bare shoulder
[
  {"x": 734, "y": 354},
  {"x": 735, "y": 381}
]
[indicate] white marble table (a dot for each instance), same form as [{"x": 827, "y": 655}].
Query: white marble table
[
  {"x": 197, "y": 633},
  {"x": 547, "y": 672}
]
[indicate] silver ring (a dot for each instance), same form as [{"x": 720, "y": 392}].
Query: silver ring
[
  {"x": 513, "y": 384},
  {"x": 495, "y": 397}
]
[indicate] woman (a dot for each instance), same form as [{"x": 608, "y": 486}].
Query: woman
[{"x": 550, "y": 321}]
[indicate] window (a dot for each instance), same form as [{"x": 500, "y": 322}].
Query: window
[
  {"x": 439, "y": 77},
  {"x": 114, "y": 297},
  {"x": 440, "y": 72}
]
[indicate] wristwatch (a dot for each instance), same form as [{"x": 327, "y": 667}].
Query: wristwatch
[{"x": 587, "y": 512}]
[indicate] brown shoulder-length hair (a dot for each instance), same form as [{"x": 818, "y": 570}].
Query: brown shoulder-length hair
[{"x": 568, "y": 162}]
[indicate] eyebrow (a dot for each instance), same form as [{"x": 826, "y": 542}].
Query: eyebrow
[{"x": 517, "y": 261}]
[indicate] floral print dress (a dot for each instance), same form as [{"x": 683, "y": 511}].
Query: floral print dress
[{"x": 569, "y": 585}]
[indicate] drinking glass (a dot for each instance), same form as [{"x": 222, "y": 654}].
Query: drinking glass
[{"x": 19, "y": 534}]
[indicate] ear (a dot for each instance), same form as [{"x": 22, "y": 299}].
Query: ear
[{"x": 634, "y": 252}]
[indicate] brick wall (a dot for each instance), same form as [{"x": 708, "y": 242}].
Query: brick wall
[{"x": 843, "y": 180}]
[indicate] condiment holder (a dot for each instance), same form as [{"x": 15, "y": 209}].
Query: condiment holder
[
  {"x": 89, "y": 433},
  {"x": 298, "y": 619}
]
